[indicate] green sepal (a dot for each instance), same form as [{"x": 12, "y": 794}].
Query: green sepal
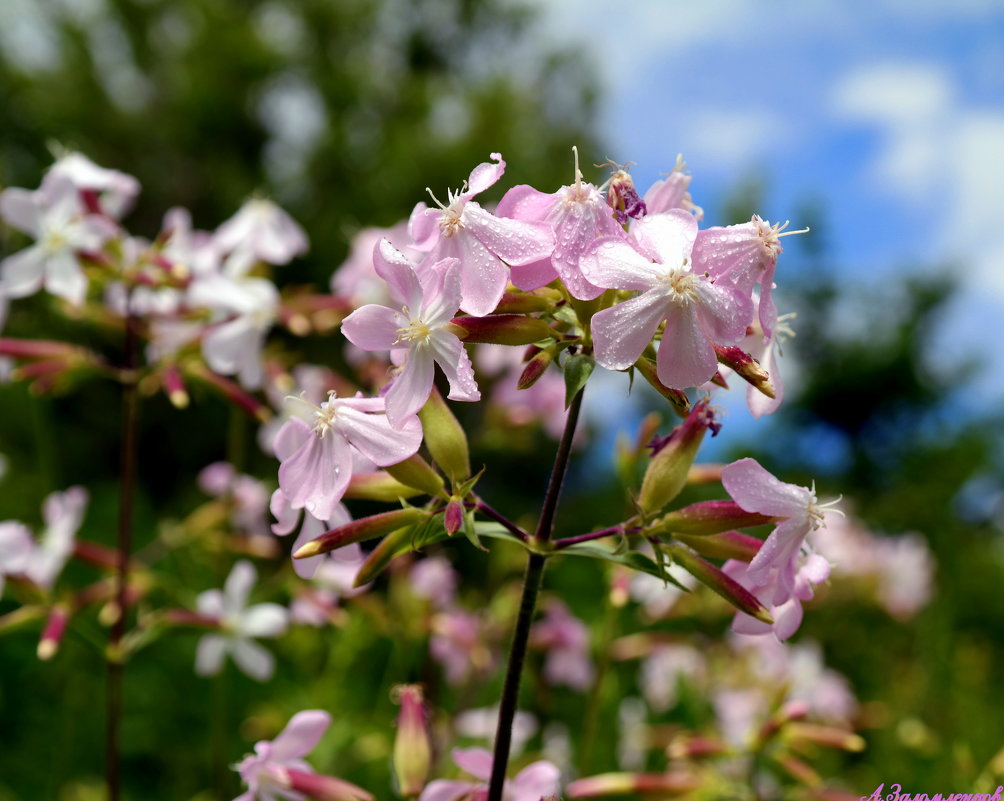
[{"x": 577, "y": 369}]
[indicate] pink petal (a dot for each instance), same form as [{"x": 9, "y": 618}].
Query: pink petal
[
  {"x": 523, "y": 202},
  {"x": 301, "y": 735},
  {"x": 670, "y": 235},
  {"x": 423, "y": 227},
  {"x": 444, "y": 790},
  {"x": 372, "y": 327},
  {"x": 293, "y": 434},
  {"x": 686, "y": 357},
  {"x": 622, "y": 332},
  {"x": 746, "y": 624},
  {"x": 514, "y": 241},
  {"x": 756, "y": 490},
  {"x": 483, "y": 277},
  {"x": 476, "y": 761},
  {"x": 613, "y": 263},
  {"x": 485, "y": 175},
  {"x": 452, "y": 358},
  {"x": 380, "y": 442},
  {"x": 724, "y": 312},
  {"x": 536, "y": 781},
  {"x": 778, "y": 550},
  {"x": 533, "y": 275},
  {"x": 411, "y": 388},
  {"x": 316, "y": 476},
  {"x": 285, "y": 515},
  {"x": 394, "y": 268},
  {"x": 311, "y": 528},
  {"x": 787, "y": 619}
]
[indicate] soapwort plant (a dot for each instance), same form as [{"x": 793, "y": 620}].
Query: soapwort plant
[{"x": 541, "y": 291}]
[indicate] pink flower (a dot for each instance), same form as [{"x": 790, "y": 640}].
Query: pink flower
[
  {"x": 416, "y": 333},
  {"x": 579, "y": 214},
  {"x": 243, "y": 310},
  {"x": 482, "y": 242},
  {"x": 63, "y": 512},
  {"x": 696, "y": 310},
  {"x": 433, "y": 579},
  {"x": 115, "y": 190},
  {"x": 259, "y": 231},
  {"x": 356, "y": 279},
  {"x": 746, "y": 255},
  {"x": 671, "y": 193},
  {"x": 457, "y": 643},
  {"x": 55, "y": 217},
  {"x": 662, "y": 670},
  {"x": 277, "y": 769},
  {"x": 536, "y": 781},
  {"x": 311, "y": 527},
  {"x": 782, "y": 601},
  {"x": 238, "y": 624},
  {"x": 316, "y": 448},
  {"x": 756, "y": 490},
  {"x": 16, "y": 546},
  {"x": 566, "y": 640}
]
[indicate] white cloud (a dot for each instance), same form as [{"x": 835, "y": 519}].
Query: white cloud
[{"x": 895, "y": 94}]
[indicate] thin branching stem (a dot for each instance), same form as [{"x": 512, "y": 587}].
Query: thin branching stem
[
  {"x": 531, "y": 586},
  {"x": 127, "y": 489}
]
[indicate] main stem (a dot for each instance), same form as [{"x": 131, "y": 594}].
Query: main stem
[
  {"x": 528, "y": 602},
  {"x": 127, "y": 483}
]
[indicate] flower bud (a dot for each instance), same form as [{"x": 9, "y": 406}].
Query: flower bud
[
  {"x": 746, "y": 367},
  {"x": 501, "y": 329},
  {"x": 453, "y": 517},
  {"x": 829, "y": 736},
  {"x": 667, "y": 472},
  {"x": 672, "y": 782},
  {"x": 175, "y": 387},
  {"x": 366, "y": 528},
  {"x": 378, "y": 486},
  {"x": 693, "y": 746},
  {"x": 418, "y": 473},
  {"x": 708, "y": 517},
  {"x": 324, "y": 788},
  {"x": 395, "y": 543},
  {"x": 623, "y": 198},
  {"x": 714, "y": 579},
  {"x": 527, "y": 302},
  {"x": 412, "y": 750},
  {"x": 798, "y": 770},
  {"x": 52, "y": 634},
  {"x": 677, "y": 398},
  {"x": 445, "y": 437},
  {"x": 535, "y": 368},
  {"x": 725, "y": 545}
]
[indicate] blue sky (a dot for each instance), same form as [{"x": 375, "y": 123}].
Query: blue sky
[{"x": 888, "y": 113}]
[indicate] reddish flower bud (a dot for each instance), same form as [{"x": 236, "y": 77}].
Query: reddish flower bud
[
  {"x": 52, "y": 634},
  {"x": 378, "y": 486},
  {"x": 174, "y": 386},
  {"x": 366, "y": 528},
  {"x": 672, "y": 783},
  {"x": 325, "y": 788},
  {"x": 708, "y": 517},
  {"x": 746, "y": 367},
  {"x": 677, "y": 397},
  {"x": 829, "y": 736},
  {"x": 673, "y": 456},
  {"x": 501, "y": 329},
  {"x": 713, "y": 578},
  {"x": 726, "y": 545},
  {"x": 535, "y": 368},
  {"x": 453, "y": 518}
]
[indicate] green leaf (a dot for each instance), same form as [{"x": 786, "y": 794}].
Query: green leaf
[
  {"x": 632, "y": 559},
  {"x": 578, "y": 368},
  {"x": 470, "y": 530}
]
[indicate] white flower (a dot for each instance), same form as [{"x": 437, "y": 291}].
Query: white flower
[{"x": 239, "y": 623}]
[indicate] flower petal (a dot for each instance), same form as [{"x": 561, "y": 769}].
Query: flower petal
[
  {"x": 372, "y": 327},
  {"x": 614, "y": 263},
  {"x": 622, "y": 332},
  {"x": 264, "y": 620},
  {"x": 394, "y": 268},
  {"x": 255, "y": 660},
  {"x": 476, "y": 761},
  {"x": 452, "y": 358},
  {"x": 514, "y": 241},
  {"x": 301, "y": 735},
  {"x": 686, "y": 356},
  {"x": 209, "y": 655},
  {"x": 378, "y": 440},
  {"x": 756, "y": 490}
]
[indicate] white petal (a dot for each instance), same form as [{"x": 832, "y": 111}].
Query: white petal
[
  {"x": 209, "y": 655},
  {"x": 256, "y": 661}
]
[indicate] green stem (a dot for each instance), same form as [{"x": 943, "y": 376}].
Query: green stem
[
  {"x": 127, "y": 491},
  {"x": 531, "y": 586}
]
